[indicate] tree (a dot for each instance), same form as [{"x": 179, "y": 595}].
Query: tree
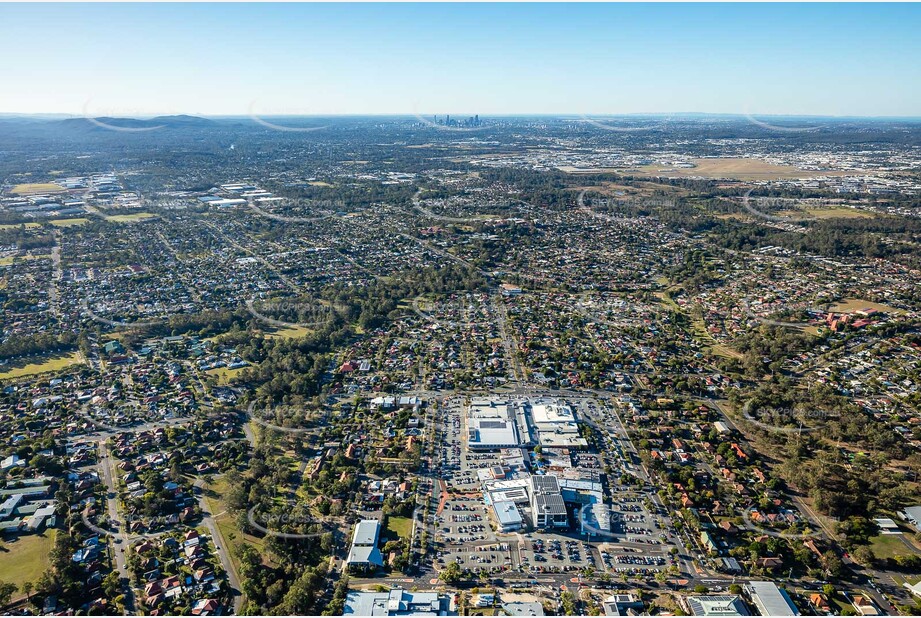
[
  {"x": 908, "y": 561},
  {"x": 451, "y": 573},
  {"x": 864, "y": 555},
  {"x": 6, "y": 592},
  {"x": 111, "y": 584},
  {"x": 832, "y": 564},
  {"x": 568, "y": 603}
]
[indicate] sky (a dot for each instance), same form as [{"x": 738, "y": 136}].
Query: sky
[{"x": 588, "y": 59}]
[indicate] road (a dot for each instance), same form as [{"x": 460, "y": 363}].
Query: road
[
  {"x": 123, "y": 539},
  {"x": 220, "y": 546},
  {"x": 508, "y": 340},
  {"x": 444, "y": 254},
  {"x": 220, "y": 235},
  {"x": 417, "y": 204},
  {"x": 53, "y": 296},
  {"x": 104, "y": 465}
]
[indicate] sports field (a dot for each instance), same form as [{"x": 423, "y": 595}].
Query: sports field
[
  {"x": 25, "y": 558},
  {"x": 32, "y": 366},
  {"x": 33, "y": 188},
  {"x": 69, "y": 222},
  {"x": 850, "y": 305},
  {"x": 140, "y": 216}
]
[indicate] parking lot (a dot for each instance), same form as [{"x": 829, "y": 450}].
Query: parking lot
[
  {"x": 497, "y": 556},
  {"x": 464, "y": 521},
  {"x": 463, "y": 531},
  {"x": 551, "y": 553}
]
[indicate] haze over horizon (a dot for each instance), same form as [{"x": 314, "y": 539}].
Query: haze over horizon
[
  {"x": 665, "y": 116},
  {"x": 141, "y": 60}
]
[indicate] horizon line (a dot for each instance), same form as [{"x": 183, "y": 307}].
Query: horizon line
[{"x": 562, "y": 115}]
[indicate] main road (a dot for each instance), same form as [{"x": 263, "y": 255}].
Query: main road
[{"x": 104, "y": 465}]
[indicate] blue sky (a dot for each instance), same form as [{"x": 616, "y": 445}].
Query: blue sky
[{"x": 594, "y": 59}]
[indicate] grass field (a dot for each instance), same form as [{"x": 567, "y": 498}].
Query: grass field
[
  {"x": 12, "y": 226},
  {"x": 738, "y": 169},
  {"x": 288, "y": 332},
  {"x": 400, "y": 526},
  {"x": 890, "y": 545},
  {"x": 667, "y": 301},
  {"x": 139, "y": 216},
  {"x": 699, "y": 327},
  {"x": 224, "y": 374},
  {"x": 713, "y": 347},
  {"x": 831, "y": 212},
  {"x": 12, "y": 259},
  {"x": 69, "y": 222},
  {"x": 31, "y": 366},
  {"x": 25, "y": 558},
  {"x": 31, "y": 188},
  {"x": 911, "y": 580},
  {"x": 849, "y": 305},
  {"x": 225, "y": 521}
]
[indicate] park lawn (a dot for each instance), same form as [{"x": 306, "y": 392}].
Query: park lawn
[
  {"x": 400, "y": 526},
  {"x": 226, "y": 522},
  {"x": 69, "y": 222},
  {"x": 288, "y": 332},
  {"x": 35, "y": 365},
  {"x": 140, "y": 216},
  {"x": 28, "y": 225},
  {"x": 224, "y": 375},
  {"x": 25, "y": 558},
  {"x": 31, "y": 188},
  {"x": 666, "y": 300},
  {"x": 719, "y": 349}
]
